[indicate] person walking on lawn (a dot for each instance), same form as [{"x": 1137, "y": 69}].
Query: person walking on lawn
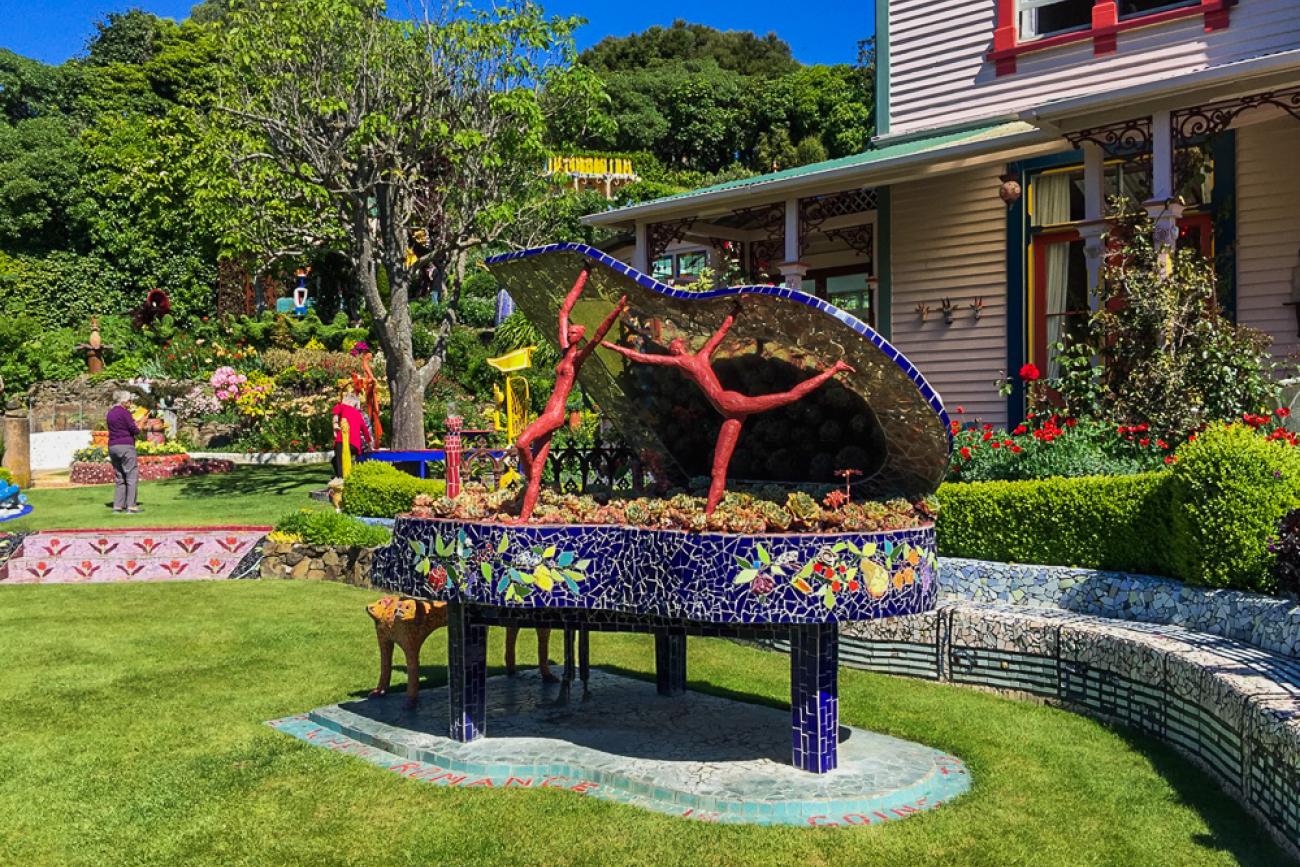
[
  {"x": 359, "y": 435},
  {"x": 122, "y": 433}
]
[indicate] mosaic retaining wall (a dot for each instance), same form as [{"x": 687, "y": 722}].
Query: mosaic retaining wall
[
  {"x": 699, "y": 577},
  {"x": 1265, "y": 621},
  {"x": 1232, "y": 707}
]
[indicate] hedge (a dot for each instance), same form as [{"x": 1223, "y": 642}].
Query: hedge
[
  {"x": 330, "y": 528},
  {"x": 378, "y": 490},
  {"x": 1231, "y": 488},
  {"x": 1208, "y": 521},
  {"x": 1099, "y": 522}
]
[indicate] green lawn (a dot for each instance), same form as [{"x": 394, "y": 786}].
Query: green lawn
[
  {"x": 247, "y": 496},
  {"x": 131, "y": 731}
]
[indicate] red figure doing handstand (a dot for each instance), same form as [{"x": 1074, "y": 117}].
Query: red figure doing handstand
[
  {"x": 734, "y": 406},
  {"x": 575, "y": 352}
]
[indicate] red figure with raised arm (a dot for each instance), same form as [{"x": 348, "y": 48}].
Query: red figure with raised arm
[
  {"x": 733, "y": 406},
  {"x": 574, "y": 353}
]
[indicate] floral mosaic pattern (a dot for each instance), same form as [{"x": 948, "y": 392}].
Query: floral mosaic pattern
[{"x": 703, "y": 577}]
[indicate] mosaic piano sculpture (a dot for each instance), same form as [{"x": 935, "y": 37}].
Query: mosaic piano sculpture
[
  {"x": 13, "y": 503},
  {"x": 794, "y": 574}
]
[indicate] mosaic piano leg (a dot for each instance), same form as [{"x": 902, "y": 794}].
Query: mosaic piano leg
[
  {"x": 467, "y": 675},
  {"x": 584, "y": 660},
  {"x": 814, "y": 696},
  {"x": 566, "y": 682},
  {"x": 670, "y": 661}
]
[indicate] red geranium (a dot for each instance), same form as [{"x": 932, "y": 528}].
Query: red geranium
[
  {"x": 965, "y": 453},
  {"x": 1029, "y": 373}
]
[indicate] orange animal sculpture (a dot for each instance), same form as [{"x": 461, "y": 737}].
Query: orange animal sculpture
[{"x": 407, "y": 622}]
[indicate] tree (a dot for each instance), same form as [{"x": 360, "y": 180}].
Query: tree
[
  {"x": 385, "y": 137},
  {"x": 738, "y": 51},
  {"x": 130, "y": 37}
]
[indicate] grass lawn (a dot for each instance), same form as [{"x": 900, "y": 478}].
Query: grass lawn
[
  {"x": 248, "y": 496},
  {"x": 131, "y": 731}
]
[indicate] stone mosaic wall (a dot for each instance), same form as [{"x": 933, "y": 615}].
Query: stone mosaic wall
[
  {"x": 344, "y": 564},
  {"x": 1267, "y": 622},
  {"x": 1232, "y": 707}
]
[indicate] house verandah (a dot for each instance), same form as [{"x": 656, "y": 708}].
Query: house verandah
[{"x": 974, "y": 250}]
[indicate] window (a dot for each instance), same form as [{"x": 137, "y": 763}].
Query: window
[
  {"x": 849, "y": 288},
  {"x": 1049, "y": 17},
  {"x": 691, "y": 265},
  {"x": 1131, "y": 8},
  {"x": 662, "y": 268},
  {"x": 1035, "y": 25},
  {"x": 1057, "y": 269}
]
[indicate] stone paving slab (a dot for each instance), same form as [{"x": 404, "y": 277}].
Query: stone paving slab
[{"x": 698, "y": 756}]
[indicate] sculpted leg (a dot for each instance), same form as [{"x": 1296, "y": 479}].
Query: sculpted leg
[
  {"x": 536, "y": 465},
  {"x": 727, "y": 438},
  {"x": 512, "y": 640},
  {"x": 543, "y": 654},
  {"x": 411, "y": 642},
  {"x": 385, "y": 660}
]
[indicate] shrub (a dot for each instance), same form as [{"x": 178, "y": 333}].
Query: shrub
[
  {"x": 1285, "y": 547},
  {"x": 330, "y": 528},
  {"x": 1101, "y": 522},
  {"x": 1046, "y": 445},
  {"x": 1231, "y": 488},
  {"x": 380, "y": 490},
  {"x": 6, "y": 477}
]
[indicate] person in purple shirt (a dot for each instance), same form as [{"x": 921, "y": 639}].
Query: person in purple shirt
[{"x": 122, "y": 433}]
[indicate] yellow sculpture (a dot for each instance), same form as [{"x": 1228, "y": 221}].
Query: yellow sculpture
[{"x": 515, "y": 397}]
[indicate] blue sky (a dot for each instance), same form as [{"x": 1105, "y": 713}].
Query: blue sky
[{"x": 822, "y": 31}]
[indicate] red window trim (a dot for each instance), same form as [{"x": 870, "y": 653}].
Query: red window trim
[{"x": 1106, "y": 27}]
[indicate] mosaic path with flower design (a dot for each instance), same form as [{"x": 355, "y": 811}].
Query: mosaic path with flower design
[
  {"x": 108, "y": 556},
  {"x": 723, "y": 763}
]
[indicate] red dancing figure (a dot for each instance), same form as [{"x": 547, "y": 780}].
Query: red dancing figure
[
  {"x": 575, "y": 352},
  {"x": 734, "y": 406}
]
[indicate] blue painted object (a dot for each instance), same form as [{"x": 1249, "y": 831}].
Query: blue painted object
[{"x": 420, "y": 457}]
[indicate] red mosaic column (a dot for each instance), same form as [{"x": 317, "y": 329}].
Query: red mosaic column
[{"x": 452, "y": 450}]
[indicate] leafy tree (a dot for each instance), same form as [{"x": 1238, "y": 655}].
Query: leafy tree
[
  {"x": 424, "y": 134},
  {"x": 737, "y": 51},
  {"x": 131, "y": 37},
  {"x": 29, "y": 88},
  {"x": 40, "y": 161}
]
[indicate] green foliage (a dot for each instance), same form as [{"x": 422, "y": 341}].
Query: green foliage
[
  {"x": 131, "y": 37},
  {"x": 1174, "y": 361},
  {"x": 1045, "y": 446},
  {"x": 6, "y": 477},
  {"x": 1102, "y": 522},
  {"x": 331, "y": 528},
  {"x": 1231, "y": 488},
  {"x": 380, "y": 490},
  {"x": 735, "y": 51}
]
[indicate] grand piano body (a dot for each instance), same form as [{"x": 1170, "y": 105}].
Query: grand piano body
[{"x": 793, "y": 589}]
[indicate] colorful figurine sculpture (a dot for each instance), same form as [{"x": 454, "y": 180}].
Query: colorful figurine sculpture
[
  {"x": 365, "y": 385},
  {"x": 734, "y": 407},
  {"x": 575, "y": 353},
  {"x": 407, "y": 622}
]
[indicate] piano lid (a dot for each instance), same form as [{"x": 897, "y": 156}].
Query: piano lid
[{"x": 884, "y": 420}]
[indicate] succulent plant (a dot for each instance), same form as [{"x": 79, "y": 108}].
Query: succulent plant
[
  {"x": 774, "y": 515},
  {"x": 636, "y": 513},
  {"x": 803, "y": 508},
  {"x": 443, "y": 507}
]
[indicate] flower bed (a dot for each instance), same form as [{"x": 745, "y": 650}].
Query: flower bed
[{"x": 153, "y": 468}]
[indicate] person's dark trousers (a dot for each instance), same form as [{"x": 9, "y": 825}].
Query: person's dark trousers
[
  {"x": 126, "y": 476},
  {"x": 338, "y": 458}
]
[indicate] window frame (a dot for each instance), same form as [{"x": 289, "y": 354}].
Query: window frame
[{"x": 1103, "y": 33}]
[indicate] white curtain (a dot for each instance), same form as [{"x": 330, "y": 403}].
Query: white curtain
[{"x": 1052, "y": 206}]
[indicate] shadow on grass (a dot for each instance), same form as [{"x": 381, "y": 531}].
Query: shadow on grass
[
  {"x": 1201, "y": 793},
  {"x": 254, "y": 480}
]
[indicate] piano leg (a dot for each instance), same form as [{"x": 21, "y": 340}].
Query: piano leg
[
  {"x": 466, "y": 674},
  {"x": 814, "y": 696},
  {"x": 670, "y": 662},
  {"x": 584, "y": 661},
  {"x": 566, "y": 682}
]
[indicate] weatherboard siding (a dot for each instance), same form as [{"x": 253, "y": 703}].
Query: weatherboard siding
[
  {"x": 949, "y": 241},
  {"x": 1268, "y": 228},
  {"x": 938, "y": 74}
]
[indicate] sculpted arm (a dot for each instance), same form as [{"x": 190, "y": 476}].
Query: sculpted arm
[{"x": 567, "y": 307}]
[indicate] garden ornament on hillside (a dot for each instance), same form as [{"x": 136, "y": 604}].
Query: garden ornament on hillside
[
  {"x": 405, "y": 622},
  {"x": 734, "y": 407},
  {"x": 94, "y": 348},
  {"x": 576, "y": 352}
]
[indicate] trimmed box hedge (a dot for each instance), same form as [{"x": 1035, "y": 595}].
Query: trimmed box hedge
[
  {"x": 1098, "y": 522},
  {"x": 379, "y": 490},
  {"x": 1207, "y": 521}
]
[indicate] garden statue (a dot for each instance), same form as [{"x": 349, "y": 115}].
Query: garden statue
[
  {"x": 407, "y": 622},
  {"x": 732, "y": 405},
  {"x": 94, "y": 348},
  {"x": 156, "y": 306},
  {"x": 575, "y": 353},
  {"x": 365, "y": 385}
]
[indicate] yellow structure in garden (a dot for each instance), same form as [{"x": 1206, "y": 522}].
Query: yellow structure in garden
[{"x": 514, "y": 399}]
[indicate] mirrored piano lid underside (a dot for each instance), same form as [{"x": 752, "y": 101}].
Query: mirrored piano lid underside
[{"x": 884, "y": 419}]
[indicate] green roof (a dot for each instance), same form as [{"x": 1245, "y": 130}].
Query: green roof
[{"x": 888, "y": 153}]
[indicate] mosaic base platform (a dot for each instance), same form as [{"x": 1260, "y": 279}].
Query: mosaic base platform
[{"x": 698, "y": 756}]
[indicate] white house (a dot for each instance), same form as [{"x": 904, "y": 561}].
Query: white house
[{"x": 1192, "y": 107}]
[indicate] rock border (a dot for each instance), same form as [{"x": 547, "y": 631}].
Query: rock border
[{"x": 345, "y": 564}]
